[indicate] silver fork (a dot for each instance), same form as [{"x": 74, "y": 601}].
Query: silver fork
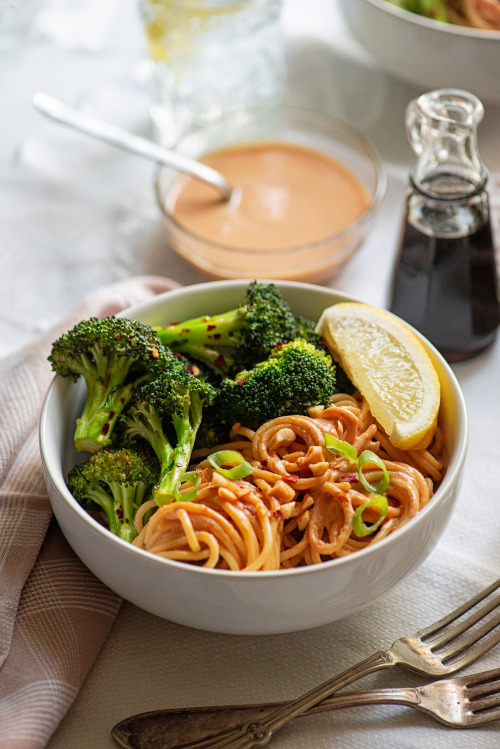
[
  {"x": 462, "y": 702},
  {"x": 442, "y": 648}
]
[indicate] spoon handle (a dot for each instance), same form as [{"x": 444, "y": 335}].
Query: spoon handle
[{"x": 63, "y": 113}]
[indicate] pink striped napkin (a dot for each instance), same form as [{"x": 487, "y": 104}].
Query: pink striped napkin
[{"x": 54, "y": 615}]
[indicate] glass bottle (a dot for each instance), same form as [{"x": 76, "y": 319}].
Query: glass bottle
[{"x": 445, "y": 281}]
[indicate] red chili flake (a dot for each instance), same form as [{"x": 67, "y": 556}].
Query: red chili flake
[
  {"x": 240, "y": 382},
  {"x": 290, "y": 477},
  {"x": 176, "y": 353},
  {"x": 279, "y": 344},
  {"x": 351, "y": 479},
  {"x": 118, "y": 336},
  {"x": 216, "y": 336},
  {"x": 105, "y": 381},
  {"x": 111, "y": 414},
  {"x": 231, "y": 334},
  {"x": 105, "y": 428},
  {"x": 179, "y": 465},
  {"x": 122, "y": 400},
  {"x": 277, "y": 514},
  {"x": 210, "y": 327},
  {"x": 220, "y": 361},
  {"x": 119, "y": 512},
  {"x": 185, "y": 330}
]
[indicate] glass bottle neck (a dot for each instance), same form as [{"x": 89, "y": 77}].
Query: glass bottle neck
[{"x": 441, "y": 127}]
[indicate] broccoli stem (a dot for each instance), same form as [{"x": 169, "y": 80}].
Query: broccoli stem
[
  {"x": 110, "y": 507},
  {"x": 106, "y": 399},
  {"x": 191, "y": 337},
  {"x": 126, "y": 501},
  {"x": 224, "y": 329},
  {"x": 186, "y": 427},
  {"x": 150, "y": 428},
  {"x": 121, "y": 508}
]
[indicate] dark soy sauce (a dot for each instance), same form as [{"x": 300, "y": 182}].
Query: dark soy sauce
[
  {"x": 446, "y": 288},
  {"x": 445, "y": 278}
]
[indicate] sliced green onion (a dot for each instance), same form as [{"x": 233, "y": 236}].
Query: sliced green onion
[
  {"x": 193, "y": 478},
  {"x": 359, "y": 526},
  {"x": 241, "y": 467},
  {"x": 344, "y": 449},
  {"x": 367, "y": 456}
]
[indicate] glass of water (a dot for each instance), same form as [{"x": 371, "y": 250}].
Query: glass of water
[{"x": 211, "y": 58}]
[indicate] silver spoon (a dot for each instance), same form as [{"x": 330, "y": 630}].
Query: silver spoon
[{"x": 61, "y": 112}]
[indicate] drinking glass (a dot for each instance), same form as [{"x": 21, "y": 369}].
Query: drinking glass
[{"x": 211, "y": 59}]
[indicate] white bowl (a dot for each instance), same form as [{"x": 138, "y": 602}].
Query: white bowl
[
  {"x": 243, "y": 602},
  {"x": 428, "y": 53}
]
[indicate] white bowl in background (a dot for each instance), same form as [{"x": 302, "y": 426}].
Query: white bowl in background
[
  {"x": 243, "y": 602},
  {"x": 430, "y": 54}
]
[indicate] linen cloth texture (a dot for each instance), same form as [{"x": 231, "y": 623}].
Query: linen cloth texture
[{"x": 54, "y": 614}]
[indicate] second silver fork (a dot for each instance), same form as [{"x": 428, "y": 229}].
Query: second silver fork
[
  {"x": 442, "y": 648},
  {"x": 461, "y": 702}
]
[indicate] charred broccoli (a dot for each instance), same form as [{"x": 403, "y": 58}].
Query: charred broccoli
[
  {"x": 167, "y": 413},
  {"x": 116, "y": 481},
  {"x": 238, "y": 338},
  {"x": 115, "y": 356},
  {"x": 293, "y": 378}
]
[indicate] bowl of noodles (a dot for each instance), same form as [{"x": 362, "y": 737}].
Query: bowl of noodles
[
  {"x": 285, "y": 557},
  {"x": 454, "y": 44}
]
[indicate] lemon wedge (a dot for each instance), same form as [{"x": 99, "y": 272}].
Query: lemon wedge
[{"x": 389, "y": 366}]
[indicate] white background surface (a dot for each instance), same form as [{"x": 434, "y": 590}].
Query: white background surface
[{"x": 75, "y": 214}]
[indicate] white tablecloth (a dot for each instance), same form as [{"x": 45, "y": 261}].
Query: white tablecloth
[{"x": 75, "y": 214}]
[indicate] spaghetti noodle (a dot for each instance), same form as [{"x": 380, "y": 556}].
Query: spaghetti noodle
[
  {"x": 299, "y": 505},
  {"x": 479, "y": 14}
]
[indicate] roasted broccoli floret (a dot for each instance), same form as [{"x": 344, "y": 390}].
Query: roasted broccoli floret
[
  {"x": 295, "y": 377},
  {"x": 238, "y": 338},
  {"x": 306, "y": 329},
  {"x": 167, "y": 413},
  {"x": 115, "y": 356},
  {"x": 117, "y": 481}
]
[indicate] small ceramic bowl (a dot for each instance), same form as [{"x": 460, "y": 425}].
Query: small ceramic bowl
[
  {"x": 316, "y": 261},
  {"x": 244, "y": 602},
  {"x": 430, "y": 54}
]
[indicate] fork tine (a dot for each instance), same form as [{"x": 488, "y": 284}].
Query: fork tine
[
  {"x": 458, "y": 612},
  {"x": 453, "y": 631},
  {"x": 484, "y": 693},
  {"x": 483, "y": 678},
  {"x": 488, "y": 705},
  {"x": 471, "y": 648}
]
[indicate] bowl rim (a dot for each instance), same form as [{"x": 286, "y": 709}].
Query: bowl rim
[
  {"x": 452, "y": 475},
  {"x": 307, "y": 114},
  {"x": 433, "y": 25}
]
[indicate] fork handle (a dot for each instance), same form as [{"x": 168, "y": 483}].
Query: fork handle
[
  {"x": 259, "y": 732},
  {"x": 191, "y": 728}
]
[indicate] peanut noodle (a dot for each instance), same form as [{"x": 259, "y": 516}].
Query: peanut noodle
[{"x": 297, "y": 506}]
